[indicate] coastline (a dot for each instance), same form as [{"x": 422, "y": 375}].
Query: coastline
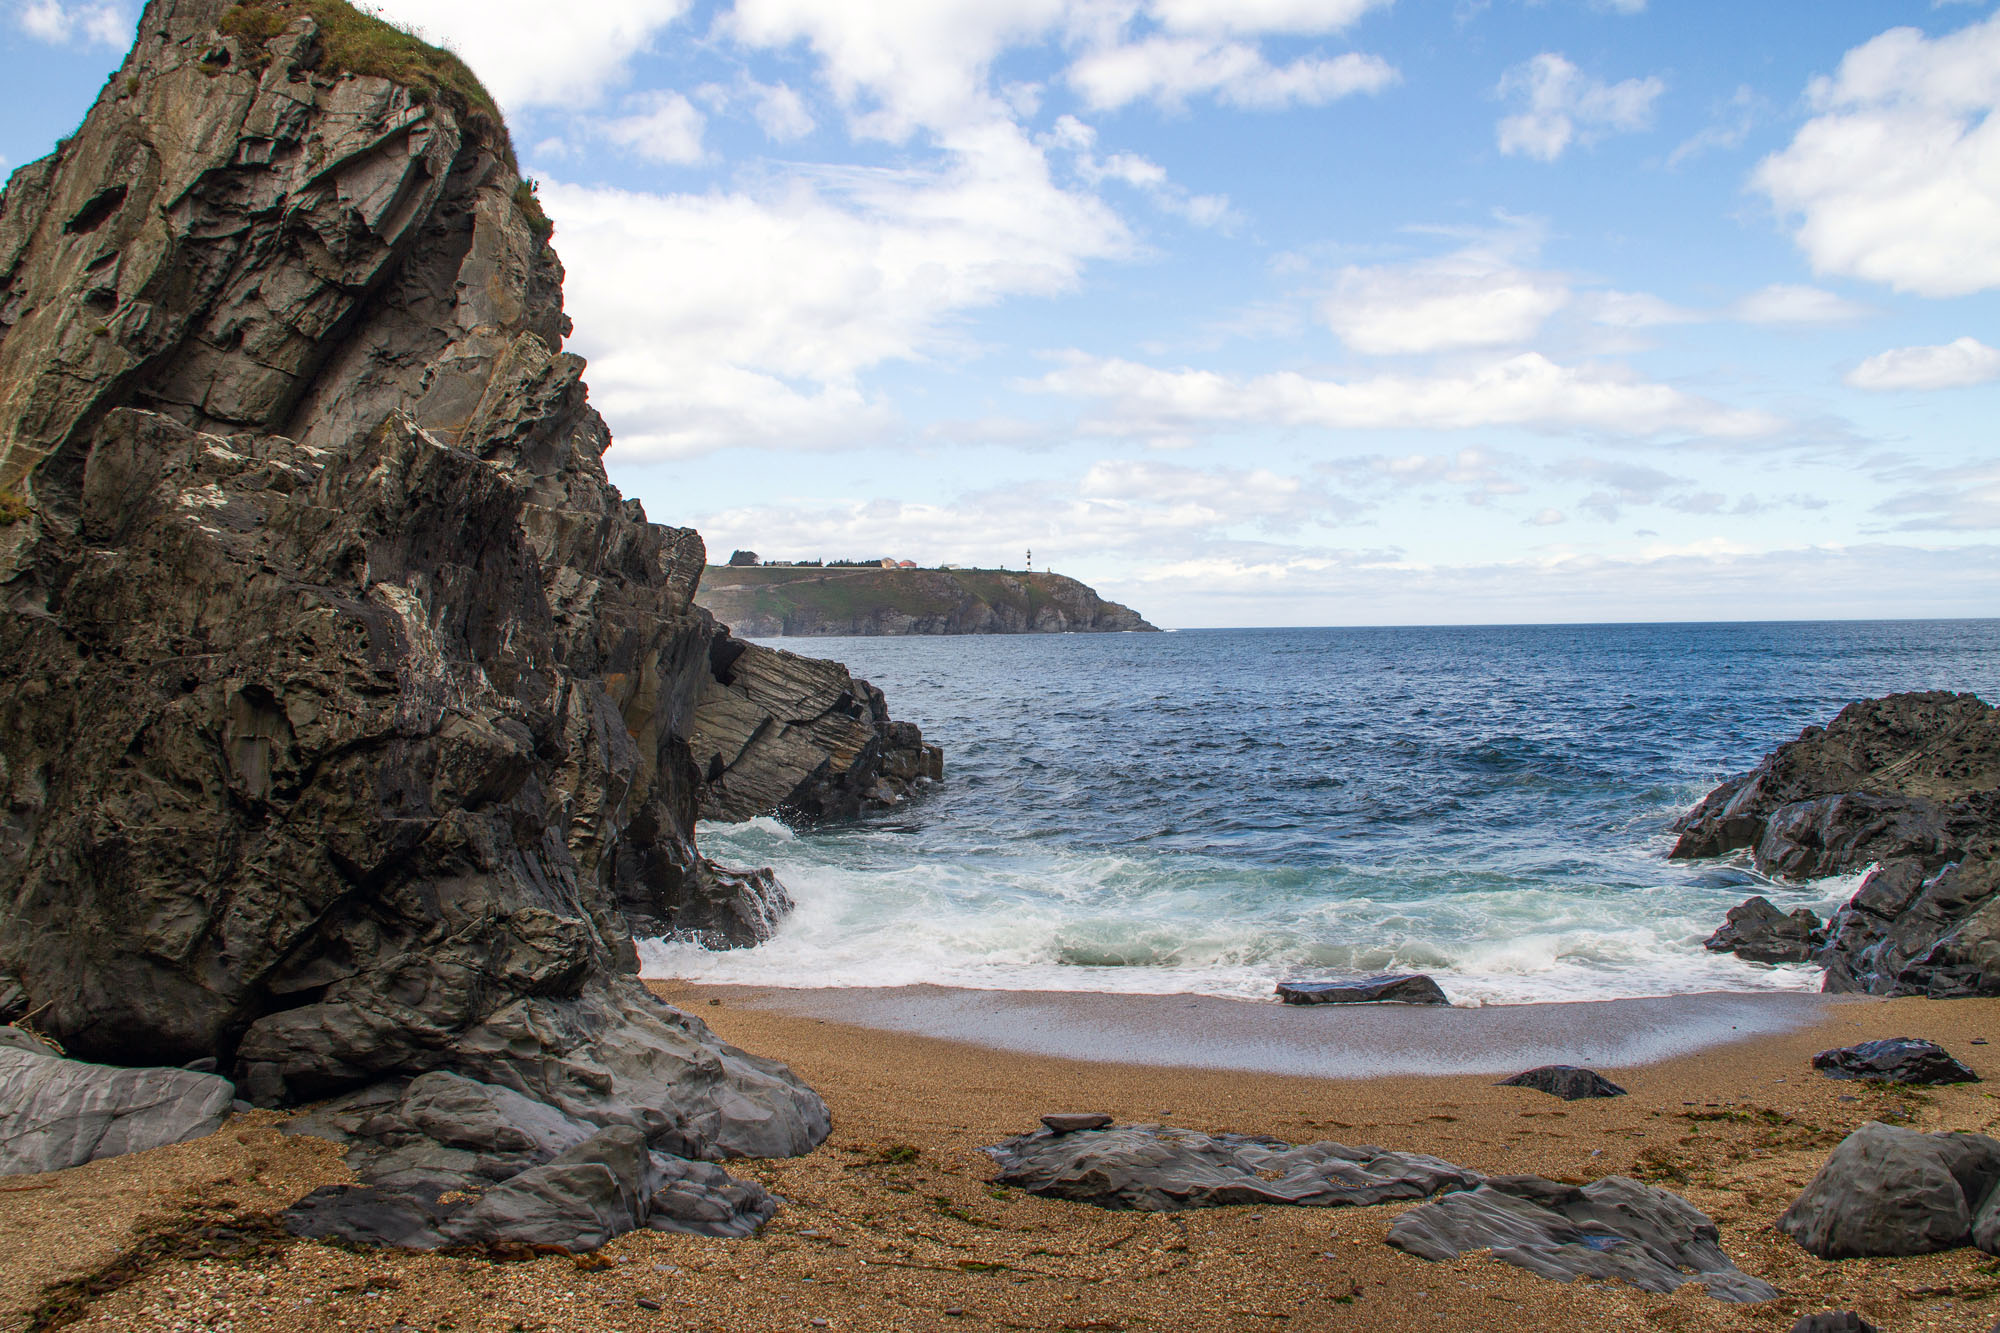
[{"x": 1188, "y": 1031}]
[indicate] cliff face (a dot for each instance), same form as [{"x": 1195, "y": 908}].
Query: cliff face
[
  {"x": 772, "y": 601},
  {"x": 345, "y": 707}
]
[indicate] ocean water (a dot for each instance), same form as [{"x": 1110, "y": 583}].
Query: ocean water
[{"x": 1211, "y": 811}]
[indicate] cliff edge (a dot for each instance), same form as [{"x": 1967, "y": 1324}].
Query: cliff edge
[{"x": 771, "y": 601}]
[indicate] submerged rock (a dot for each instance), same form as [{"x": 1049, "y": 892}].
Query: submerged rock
[
  {"x": 1892, "y": 1191},
  {"x": 1410, "y": 988},
  {"x": 1759, "y": 933},
  {"x": 1894, "y": 1060},
  {"x": 1565, "y": 1081},
  {"x": 1611, "y": 1228},
  {"x": 1158, "y": 1168},
  {"x": 57, "y": 1113},
  {"x": 1910, "y": 782}
]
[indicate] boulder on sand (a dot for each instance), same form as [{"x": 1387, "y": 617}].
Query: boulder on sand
[
  {"x": 1758, "y": 932},
  {"x": 1833, "y": 1321},
  {"x": 1158, "y": 1168},
  {"x": 1892, "y": 1191},
  {"x": 1894, "y": 1060},
  {"x": 1568, "y": 1082},
  {"x": 1394, "y": 988},
  {"x": 1611, "y": 1228},
  {"x": 57, "y": 1113}
]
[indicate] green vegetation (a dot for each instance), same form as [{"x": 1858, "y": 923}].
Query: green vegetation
[
  {"x": 355, "y": 42},
  {"x": 13, "y": 509},
  {"x": 528, "y": 199}
]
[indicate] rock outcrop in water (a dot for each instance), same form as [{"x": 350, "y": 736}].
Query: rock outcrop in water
[
  {"x": 346, "y": 709},
  {"x": 776, "y": 600},
  {"x": 1910, "y": 783}
]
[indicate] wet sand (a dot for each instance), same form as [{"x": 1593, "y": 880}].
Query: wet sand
[{"x": 892, "y": 1225}]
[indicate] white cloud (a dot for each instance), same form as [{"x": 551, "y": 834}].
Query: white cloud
[
  {"x": 1730, "y": 126},
  {"x": 1791, "y": 303},
  {"x": 725, "y": 319},
  {"x": 1476, "y": 297},
  {"x": 659, "y": 126},
  {"x": 1896, "y": 178},
  {"x": 88, "y": 24},
  {"x": 1962, "y": 499},
  {"x": 1261, "y": 16},
  {"x": 1635, "y": 310},
  {"x": 1562, "y": 105},
  {"x": 781, "y": 113},
  {"x": 1525, "y": 390},
  {"x": 1956, "y": 365},
  {"x": 530, "y": 53},
  {"x": 1548, "y": 518},
  {"x": 1073, "y": 136},
  {"x": 1169, "y": 70}
]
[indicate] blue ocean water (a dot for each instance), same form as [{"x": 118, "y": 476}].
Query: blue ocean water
[{"x": 1210, "y": 811}]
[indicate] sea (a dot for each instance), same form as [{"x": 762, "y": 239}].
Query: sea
[{"x": 1212, "y": 811}]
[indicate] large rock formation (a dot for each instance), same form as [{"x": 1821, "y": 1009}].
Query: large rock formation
[
  {"x": 1910, "y": 783},
  {"x": 345, "y": 707},
  {"x": 808, "y": 600}
]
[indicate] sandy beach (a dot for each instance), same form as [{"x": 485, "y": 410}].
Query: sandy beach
[{"x": 892, "y": 1223}]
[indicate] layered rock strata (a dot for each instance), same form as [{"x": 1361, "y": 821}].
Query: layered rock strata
[
  {"x": 345, "y": 707},
  {"x": 1909, "y": 783}
]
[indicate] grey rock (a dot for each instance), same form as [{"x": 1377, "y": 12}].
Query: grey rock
[
  {"x": 1894, "y": 1060},
  {"x": 1388, "y": 989},
  {"x": 347, "y": 712},
  {"x": 1565, "y": 1081},
  {"x": 1159, "y": 1168},
  {"x": 1068, "y": 1122},
  {"x": 1910, "y": 782},
  {"x": 575, "y": 1201},
  {"x": 1611, "y": 1228},
  {"x": 20, "y": 1039},
  {"x": 813, "y": 600},
  {"x": 1759, "y": 933},
  {"x": 700, "y": 1199},
  {"x": 1892, "y": 1191},
  {"x": 1833, "y": 1321},
  {"x": 57, "y": 1113}
]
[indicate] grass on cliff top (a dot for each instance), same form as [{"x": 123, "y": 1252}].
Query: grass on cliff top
[{"x": 357, "y": 42}]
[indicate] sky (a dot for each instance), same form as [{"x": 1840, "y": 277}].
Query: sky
[{"x": 1271, "y": 312}]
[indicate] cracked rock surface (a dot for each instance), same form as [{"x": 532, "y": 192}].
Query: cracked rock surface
[
  {"x": 1158, "y": 1168},
  {"x": 1611, "y": 1228}
]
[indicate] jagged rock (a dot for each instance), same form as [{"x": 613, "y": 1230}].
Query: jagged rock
[
  {"x": 1834, "y": 1321},
  {"x": 345, "y": 706},
  {"x": 1910, "y": 782},
  {"x": 1565, "y": 1081},
  {"x": 1890, "y": 1191},
  {"x": 776, "y": 731},
  {"x": 1063, "y": 1122},
  {"x": 1894, "y": 1060},
  {"x": 1760, "y": 933},
  {"x": 1158, "y": 1168},
  {"x": 447, "y": 1160},
  {"x": 1611, "y": 1228},
  {"x": 1414, "y": 988},
  {"x": 57, "y": 1113}
]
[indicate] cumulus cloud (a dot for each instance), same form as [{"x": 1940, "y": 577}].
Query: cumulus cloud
[
  {"x": 83, "y": 24},
  {"x": 1170, "y": 70},
  {"x": 1561, "y": 105},
  {"x": 1896, "y": 178},
  {"x": 1305, "y": 17},
  {"x": 1791, "y": 303},
  {"x": 1523, "y": 390},
  {"x": 1959, "y": 364},
  {"x": 1476, "y": 297},
  {"x": 743, "y": 318},
  {"x": 658, "y": 126},
  {"x": 529, "y": 53}
]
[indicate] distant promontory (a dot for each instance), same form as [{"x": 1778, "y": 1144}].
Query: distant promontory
[{"x": 769, "y": 601}]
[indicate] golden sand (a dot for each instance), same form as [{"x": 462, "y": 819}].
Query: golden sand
[{"x": 892, "y": 1225}]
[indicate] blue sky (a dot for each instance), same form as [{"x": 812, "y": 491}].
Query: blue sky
[{"x": 1257, "y": 312}]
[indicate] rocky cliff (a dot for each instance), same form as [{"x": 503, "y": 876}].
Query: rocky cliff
[
  {"x": 1910, "y": 784},
  {"x": 346, "y": 710},
  {"x": 777, "y": 600}
]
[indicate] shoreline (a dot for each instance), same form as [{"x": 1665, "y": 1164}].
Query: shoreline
[{"x": 1203, "y": 1032}]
